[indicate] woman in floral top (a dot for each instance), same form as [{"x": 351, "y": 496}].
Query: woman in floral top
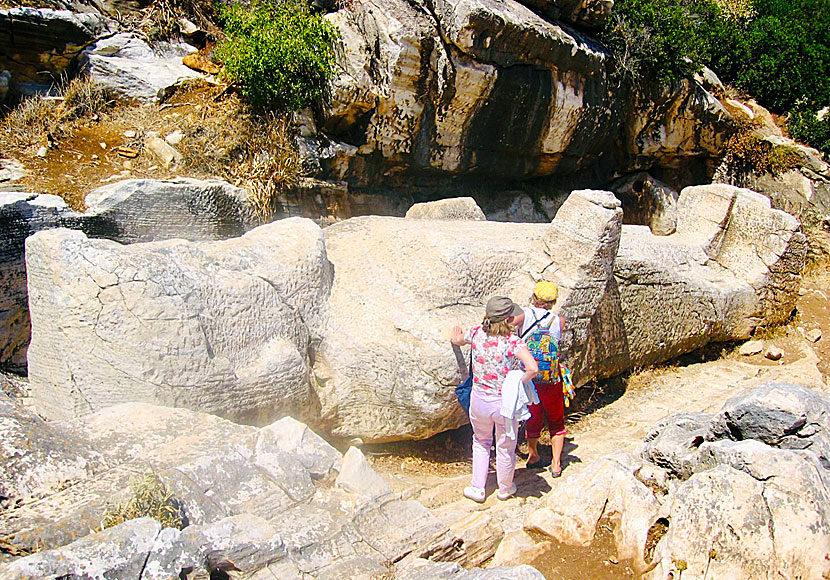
[{"x": 496, "y": 351}]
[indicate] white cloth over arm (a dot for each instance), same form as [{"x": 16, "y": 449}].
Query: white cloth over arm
[{"x": 514, "y": 401}]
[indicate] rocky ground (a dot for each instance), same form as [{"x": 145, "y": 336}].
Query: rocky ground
[{"x": 615, "y": 415}]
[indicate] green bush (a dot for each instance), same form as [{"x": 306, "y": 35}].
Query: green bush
[
  {"x": 805, "y": 126},
  {"x": 664, "y": 39},
  {"x": 776, "y": 50},
  {"x": 281, "y": 54},
  {"x": 780, "y": 54}
]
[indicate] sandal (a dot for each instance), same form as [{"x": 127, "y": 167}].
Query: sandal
[
  {"x": 538, "y": 464},
  {"x": 555, "y": 473}
]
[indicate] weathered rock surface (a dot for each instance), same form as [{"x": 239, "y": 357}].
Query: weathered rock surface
[
  {"x": 133, "y": 210},
  {"x": 262, "y": 499},
  {"x": 21, "y": 215},
  {"x": 147, "y": 210},
  {"x": 39, "y": 457},
  {"x": 222, "y": 327},
  {"x": 42, "y": 44},
  {"x": 129, "y": 68},
  {"x": 766, "y": 451},
  {"x": 385, "y": 368},
  {"x": 739, "y": 258},
  {"x": 458, "y": 208},
  {"x": 382, "y": 370}
]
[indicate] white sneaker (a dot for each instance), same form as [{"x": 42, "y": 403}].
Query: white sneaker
[
  {"x": 474, "y": 493},
  {"x": 509, "y": 494}
]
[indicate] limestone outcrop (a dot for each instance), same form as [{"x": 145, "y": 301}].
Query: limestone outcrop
[
  {"x": 21, "y": 215},
  {"x": 222, "y": 327},
  {"x": 128, "y": 211},
  {"x": 766, "y": 451},
  {"x": 272, "y": 502},
  {"x": 259, "y": 326}
]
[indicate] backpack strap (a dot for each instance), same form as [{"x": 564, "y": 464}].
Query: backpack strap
[{"x": 535, "y": 322}]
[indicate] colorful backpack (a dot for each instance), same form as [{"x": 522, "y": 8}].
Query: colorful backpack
[{"x": 545, "y": 350}]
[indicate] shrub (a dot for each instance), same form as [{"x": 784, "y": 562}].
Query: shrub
[
  {"x": 150, "y": 499},
  {"x": 804, "y": 125},
  {"x": 665, "y": 39},
  {"x": 746, "y": 152},
  {"x": 281, "y": 54}
]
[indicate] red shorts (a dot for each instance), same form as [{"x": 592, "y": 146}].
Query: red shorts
[{"x": 553, "y": 405}]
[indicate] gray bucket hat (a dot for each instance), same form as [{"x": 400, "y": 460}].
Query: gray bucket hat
[{"x": 501, "y": 307}]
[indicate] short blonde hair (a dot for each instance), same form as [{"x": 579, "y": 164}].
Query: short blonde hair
[{"x": 501, "y": 328}]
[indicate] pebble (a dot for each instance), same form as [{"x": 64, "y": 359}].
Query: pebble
[
  {"x": 103, "y": 145},
  {"x": 774, "y": 353},
  {"x": 174, "y": 138},
  {"x": 42, "y": 151},
  {"x": 130, "y": 134},
  {"x": 813, "y": 335},
  {"x": 752, "y": 347}
]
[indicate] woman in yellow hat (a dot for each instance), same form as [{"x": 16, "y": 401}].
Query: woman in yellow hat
[{"x": 537, "y": 319}]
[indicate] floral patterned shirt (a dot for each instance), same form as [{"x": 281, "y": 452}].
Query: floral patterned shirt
[{"x": 493, "y": 358}]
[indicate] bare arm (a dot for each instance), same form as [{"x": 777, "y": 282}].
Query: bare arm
[
  {"x": 457, "y": 336},
  {"x": 531, "y": 368},
  {"x": 561, "y": 323}
]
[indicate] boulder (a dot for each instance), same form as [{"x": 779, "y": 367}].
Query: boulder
[
  {"x": 780, "y": 415},
  {"x": 146, "y": 210},
  {"x": 43, "y": 44},
  {"x": 129, "y": 68},
  {"x": 458, "y": 208},
  {"x": 222, "y": 327},
  {"x": 738, "y": 494},
  {"x": 21, "y": 215},
  {"x": 739, "y": 258},
  {"x": 606, "y": 489},
  {"x": 385, "y": 368}
]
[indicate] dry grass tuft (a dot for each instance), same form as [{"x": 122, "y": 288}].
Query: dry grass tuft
[
  {"x": 39, "y": 120},
  {"x": 150, "y": 499},
  {"x": 251, "y": 151}
]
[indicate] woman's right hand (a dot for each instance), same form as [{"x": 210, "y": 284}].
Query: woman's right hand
[{"x": 457, "y": 336}]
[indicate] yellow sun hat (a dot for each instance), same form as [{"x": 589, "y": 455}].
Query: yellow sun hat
[{"x": 546, "y": 291}]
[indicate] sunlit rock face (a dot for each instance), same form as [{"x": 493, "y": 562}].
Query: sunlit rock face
[
  {"x": 501, "y": 89},
  {"x": 222, "y": 327}
]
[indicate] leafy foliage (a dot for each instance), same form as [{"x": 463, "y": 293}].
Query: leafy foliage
[
  {"x": 281, "y": 54},
  {"x": 781, "y": 54},
  {"x": 776, "y": 50},
  {"x": 805, "y": 125},
  {"x": 666, "y": 39}
]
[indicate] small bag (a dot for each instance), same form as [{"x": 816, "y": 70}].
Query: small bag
[{"x": 464, "y": 390}]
